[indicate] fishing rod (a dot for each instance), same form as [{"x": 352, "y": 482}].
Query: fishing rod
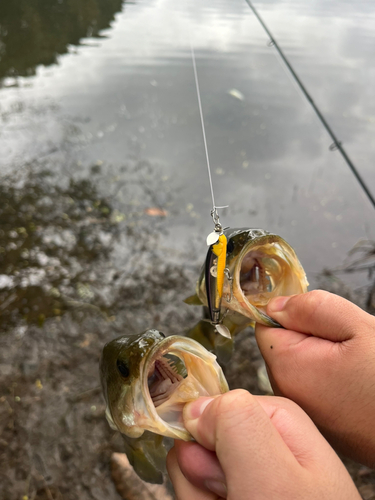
[{"x": 336, "y": 143}]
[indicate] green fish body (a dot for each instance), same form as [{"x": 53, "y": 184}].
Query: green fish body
[{"x": 147, "y": 379}]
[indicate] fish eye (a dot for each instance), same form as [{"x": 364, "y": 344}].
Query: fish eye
[{"x": 123, "y": 368}]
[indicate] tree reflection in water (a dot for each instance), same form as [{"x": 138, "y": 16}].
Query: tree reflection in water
[{"x": 33, "y": 33}]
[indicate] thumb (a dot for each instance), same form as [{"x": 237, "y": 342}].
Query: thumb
[
  {"x": 314, "y": 322},
  {"x": 247, "y": 445},
  {"x": 267, "y": 447},
  {"x": 318, "y": 313}
]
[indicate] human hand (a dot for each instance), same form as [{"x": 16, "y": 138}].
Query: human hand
[
  {"x": 257, "y": 447},
  {"x": 325, "y": 362}
]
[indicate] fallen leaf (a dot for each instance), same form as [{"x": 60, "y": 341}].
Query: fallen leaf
[
  {"x": 129, "y": 486},
  {"x": 156, "y": 212},
  {"x": 38, "y": 384},
  {"x": 89, "y": 337}
]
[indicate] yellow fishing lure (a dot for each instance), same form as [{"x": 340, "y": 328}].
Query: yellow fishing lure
[{"x": 220, "y": 250}]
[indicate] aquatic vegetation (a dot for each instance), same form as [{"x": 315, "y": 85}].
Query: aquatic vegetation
[{"x": 360, "y": 260}]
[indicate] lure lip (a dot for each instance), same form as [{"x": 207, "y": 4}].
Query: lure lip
[{"x": 183, "y": 348}]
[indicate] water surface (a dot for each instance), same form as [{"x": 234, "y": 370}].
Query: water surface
[{"x": 127, "y": 97}]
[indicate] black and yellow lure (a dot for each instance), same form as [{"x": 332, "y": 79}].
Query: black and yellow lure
[{"x": 215, "y": 273}]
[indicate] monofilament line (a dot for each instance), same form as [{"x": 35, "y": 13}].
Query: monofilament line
[{"x": 202, "y": 121}]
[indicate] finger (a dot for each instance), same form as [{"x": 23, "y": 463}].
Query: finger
[
  {"x": 318, "y": 313},
  {"x": 201, "y": 467},
  {"x": 301, "y": 367},
  {"x": 246, "y": 443},
  {"x": 296, "y": 429},
  {"x": 303, "y": 439},
  {"x": 272, "y": 340},
  {"x": 183, "y": 488},
  {"x": 317, "y": 323},
  {"x": 291, "y": 354}
]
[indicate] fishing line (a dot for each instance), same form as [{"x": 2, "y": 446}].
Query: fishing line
[
  {"x": 214, "y": 213},
  {"x": 336, "y": 143},
  {"x": 215, "y": 265},
  {"x": 202, "y": 122}
]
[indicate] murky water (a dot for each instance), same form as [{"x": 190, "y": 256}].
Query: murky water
[{"x": 104, "y": 197}]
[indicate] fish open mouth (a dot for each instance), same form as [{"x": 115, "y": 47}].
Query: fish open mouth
[
  {"x": 178, "y": 370},
  {"x": 258, "y": 276},
  {"x": 165, "y": 377},
  {"x": 265, "y": 272}
]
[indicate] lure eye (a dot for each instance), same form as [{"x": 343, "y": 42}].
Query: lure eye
[{"x": 123, "y": 368}]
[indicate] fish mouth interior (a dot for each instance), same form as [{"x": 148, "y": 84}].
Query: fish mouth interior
[
  {"x": 260, "y": 274},
  {"x": 164, "y": 378},
  {"x": 179, "y": 371}
]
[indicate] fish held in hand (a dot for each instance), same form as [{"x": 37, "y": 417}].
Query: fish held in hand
[
  {"x": 259, "y": 266},
  {"x": 147, "y": 379}
]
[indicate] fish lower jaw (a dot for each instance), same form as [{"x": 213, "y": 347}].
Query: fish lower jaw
[
  {"x": 178, "y": 371},
  {"x": 259, "y": 300},
  {"x": 132, "y": 431},
  {"x": 109, "y": 418}
]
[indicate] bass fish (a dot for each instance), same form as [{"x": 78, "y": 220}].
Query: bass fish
[
  {"x": 259, "y": 266},
  {"x": 147, "y": 379}
]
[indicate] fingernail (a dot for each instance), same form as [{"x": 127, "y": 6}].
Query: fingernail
[
  {"x": 216, "y": 487},
  {"x": 195, "y": 409},
  {"x": 277, "y": 304}
]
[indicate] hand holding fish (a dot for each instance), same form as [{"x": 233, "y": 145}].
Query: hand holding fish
[
  {"x": 255, "y": 447},
  {"x": 324, "y": 361}
]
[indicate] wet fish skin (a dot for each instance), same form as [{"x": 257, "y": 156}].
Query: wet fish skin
[
  {"x": 125, "y": 353},
  {"x": 129, "y": 369}
]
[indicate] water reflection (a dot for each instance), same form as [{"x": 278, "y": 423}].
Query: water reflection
[
  {"x": 36, "y": 33},
  {"x": 331, "y": 45}
]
